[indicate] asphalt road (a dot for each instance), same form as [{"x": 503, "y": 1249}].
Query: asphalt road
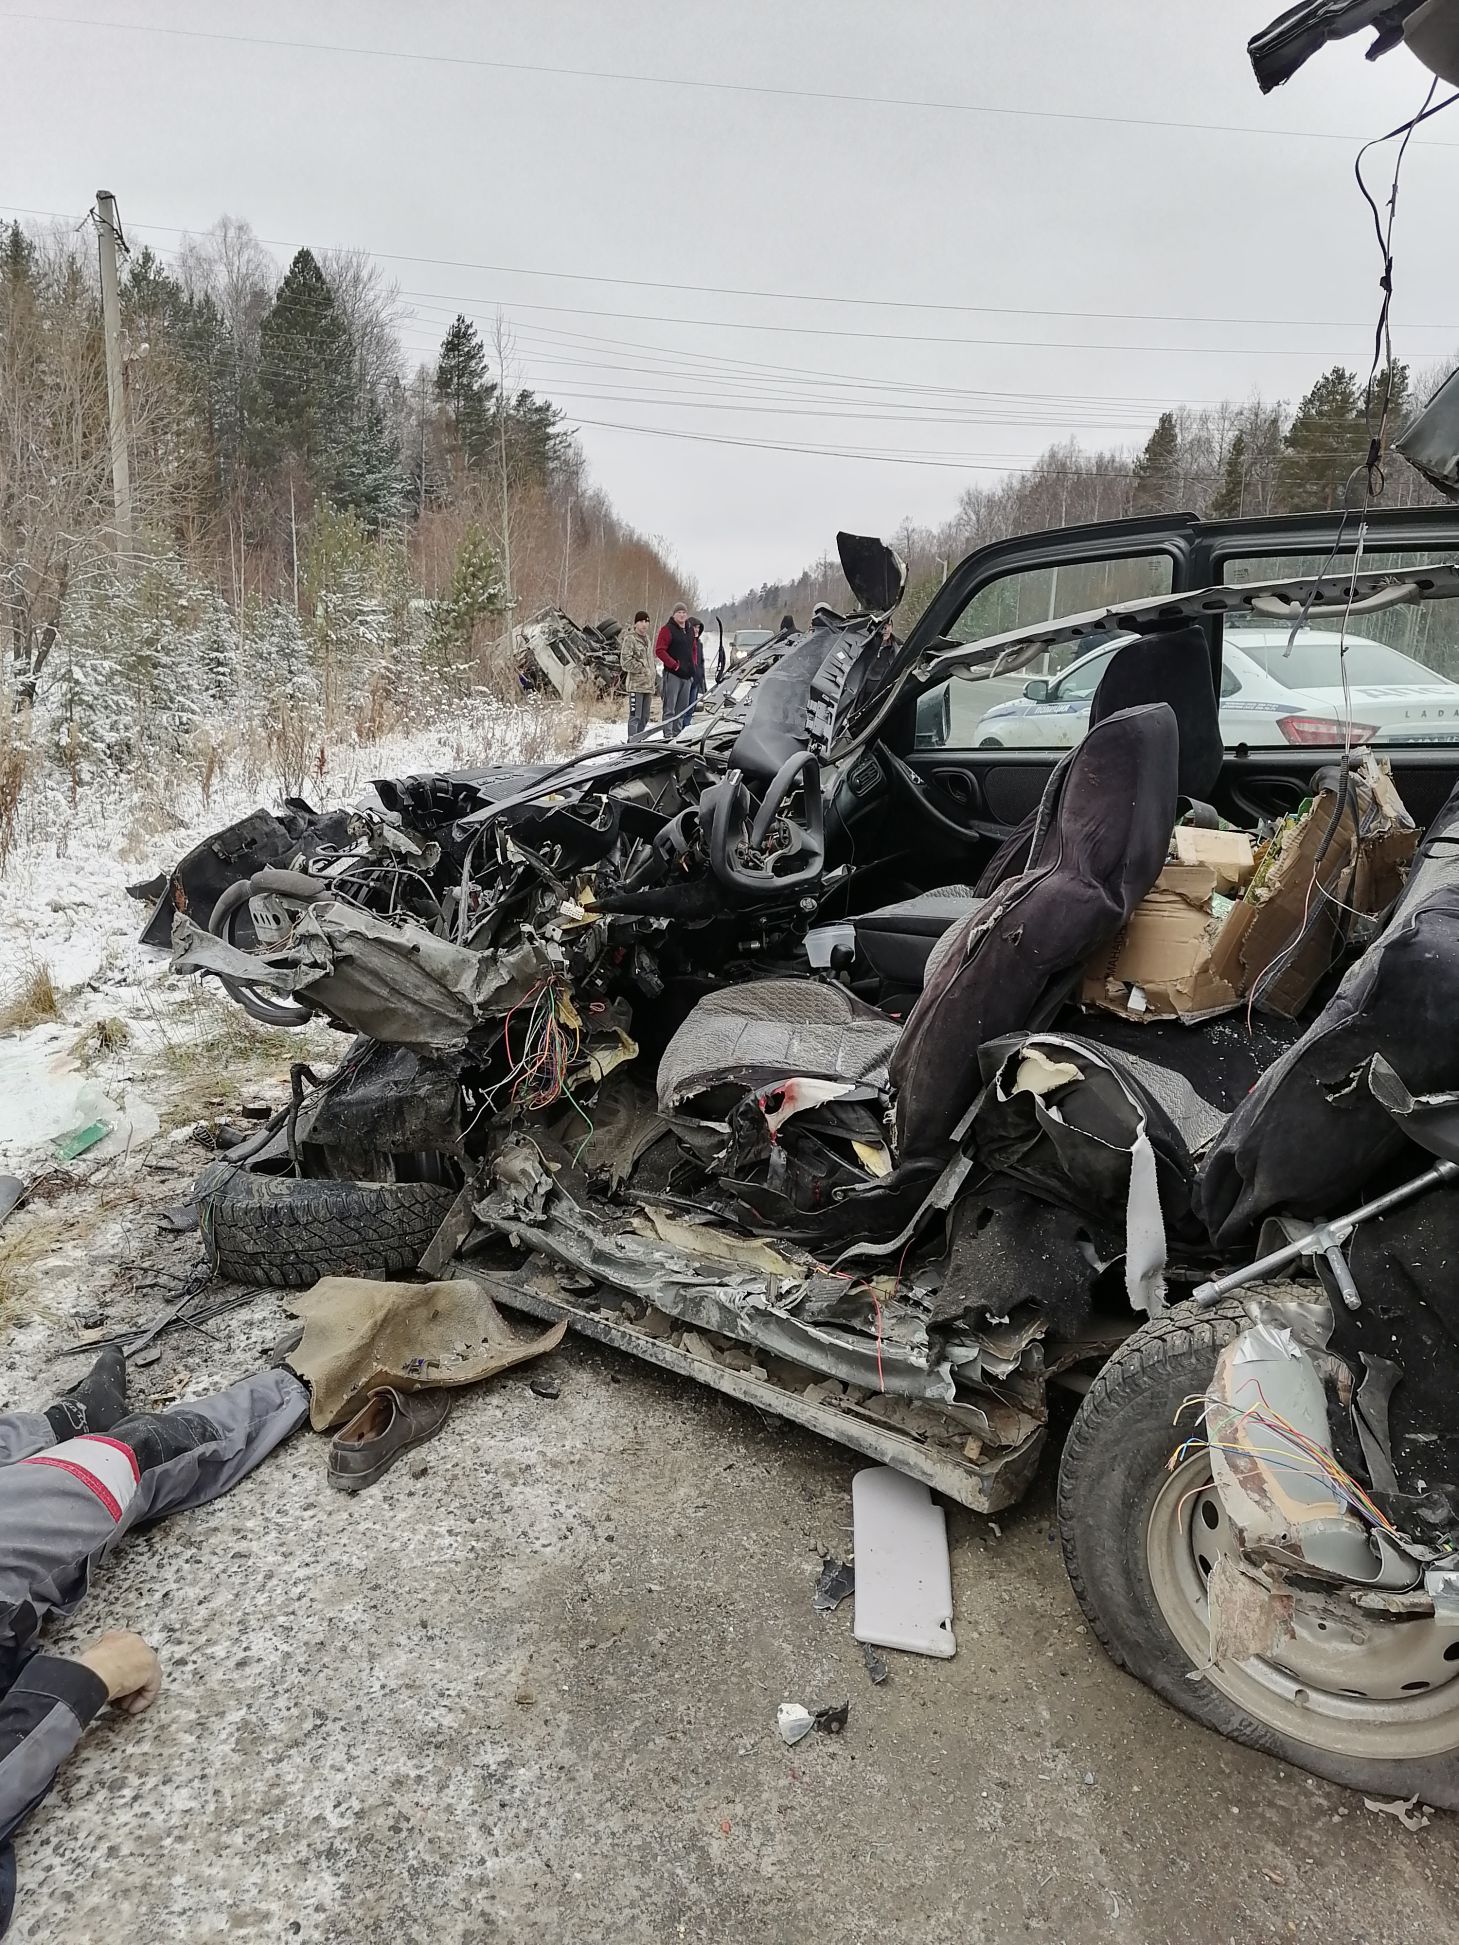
[{"x": 530, "y": 1695}]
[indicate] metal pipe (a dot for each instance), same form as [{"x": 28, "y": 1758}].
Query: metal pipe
[{"x": 1324, "y": 1239}]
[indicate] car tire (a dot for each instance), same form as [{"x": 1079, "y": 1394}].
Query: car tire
[
  {"x": 990, "y": 743},
  {"x": 284, "y": 1232},
  {"x": 1114, "y": 1471}
]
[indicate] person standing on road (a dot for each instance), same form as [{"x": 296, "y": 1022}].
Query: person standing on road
[
  {"x": 637, "y": 656},
  {"x": 73, "y": 1480},
  {"x": 696, "y": 630},
  {"x": 675, "y": 650}
]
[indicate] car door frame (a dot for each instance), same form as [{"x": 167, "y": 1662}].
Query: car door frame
[{"x": 1199, "y": 551}]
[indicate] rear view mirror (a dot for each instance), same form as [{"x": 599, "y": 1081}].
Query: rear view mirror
[
  {"x": 1037, "y": 690},
  {"x": 876, "y": 576}
]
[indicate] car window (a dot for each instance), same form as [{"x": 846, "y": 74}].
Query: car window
[
  {"x": 956, "y": 719},
  {"x": 1401, "y": 665},
  {"x": 1081, "y": 681},
  {"x": 1316, "y": 657}
]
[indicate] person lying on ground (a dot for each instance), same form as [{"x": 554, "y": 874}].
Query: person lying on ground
[{"x": 74, "y": 1479}]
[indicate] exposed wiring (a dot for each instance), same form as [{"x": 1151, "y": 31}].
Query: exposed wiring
[
  {"x": 1374, "y": 483},
  {"x": 1294, "y": 1451}
]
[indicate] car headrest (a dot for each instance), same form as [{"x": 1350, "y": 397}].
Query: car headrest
[{"x": 1174, "y": 668}]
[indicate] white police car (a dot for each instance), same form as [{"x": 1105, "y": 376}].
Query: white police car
[{"x": 1270, "y": 695}]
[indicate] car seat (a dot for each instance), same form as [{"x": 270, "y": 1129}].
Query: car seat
[
  {"x": 1008, "y": 964},
  {"x": 1173, "y": 667}
]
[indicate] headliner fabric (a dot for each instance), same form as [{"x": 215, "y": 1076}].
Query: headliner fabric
[
  {"x": 1104, "y": 838},
  {"x": 359, "y": 1333},
  {"x": 772, "y": 1030}
]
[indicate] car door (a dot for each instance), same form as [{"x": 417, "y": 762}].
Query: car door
[{"x": 1069, "y": 571}]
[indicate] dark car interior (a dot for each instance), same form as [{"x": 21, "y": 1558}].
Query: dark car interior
[{"x": 928, "y": 831}]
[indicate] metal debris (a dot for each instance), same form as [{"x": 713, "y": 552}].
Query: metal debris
[{"x": 838, "y": 1579}]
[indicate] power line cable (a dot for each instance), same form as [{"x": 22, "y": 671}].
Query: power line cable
[
  {"x": 800, "y": 95},
  {"x": 785, "y": 296}
]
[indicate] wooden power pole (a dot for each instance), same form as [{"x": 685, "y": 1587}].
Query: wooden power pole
[{"x": 108, "y": 236}]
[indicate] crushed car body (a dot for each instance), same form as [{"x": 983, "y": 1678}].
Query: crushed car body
[{"x": 704, "y": 1047}]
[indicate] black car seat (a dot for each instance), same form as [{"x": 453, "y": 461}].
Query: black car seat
[
  {"x": 1173, "y": 667},
  {"x": 1101, "y": 839},
  {"x": 896, "y": 941},
  {"x": 1007, "y": 965},
  {"x": 1311, "y": 1135}
]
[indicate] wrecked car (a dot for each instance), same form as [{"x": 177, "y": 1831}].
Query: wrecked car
[
  {"x": 905, "y": 1087},
  {"x": 554, "y": 650}
]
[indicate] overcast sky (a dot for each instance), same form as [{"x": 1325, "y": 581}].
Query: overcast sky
[{"x": 490, "y": 176}]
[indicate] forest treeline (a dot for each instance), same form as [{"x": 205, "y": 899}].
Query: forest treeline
[
  {"x": 323, "y": 536},
  {"x": 1225, "y": 461}
]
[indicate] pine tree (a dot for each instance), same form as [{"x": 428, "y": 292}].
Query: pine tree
[
  {"x": 537, "y": 439},
  {"x": 1156, "y": 471},
  {"x": 306, "y": 379},
  {"x": 476, "y": 593},
  {"x": 1326, "y": 440},
  {"x": 151, "y": 296},
  {"x": 17, "y": 255},
  {"x": 466, "y": 392},
  {"x": 1229, "y": 501},
  {"x": 370, "y": 481}
]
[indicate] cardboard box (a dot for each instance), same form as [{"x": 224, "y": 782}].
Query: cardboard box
[
  {"x": 1160, "y": 967},
  {"x": 1193, "y": 948},
  {"x": 1229, "y": 854}
]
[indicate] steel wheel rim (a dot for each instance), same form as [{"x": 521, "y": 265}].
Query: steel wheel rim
[{"x": 1354, "y": 1697}]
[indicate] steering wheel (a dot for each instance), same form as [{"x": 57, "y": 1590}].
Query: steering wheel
[
  {"x": 738, "y": 853},
  {"x": 911, "y": 786}
]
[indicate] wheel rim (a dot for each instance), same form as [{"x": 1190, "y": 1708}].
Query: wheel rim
[{"x": 1348, "y": 1683}]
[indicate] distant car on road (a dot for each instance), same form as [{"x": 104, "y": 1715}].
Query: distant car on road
[
  {"x": 744, "y": 641},
  {"x": 1270, "y": 695}
]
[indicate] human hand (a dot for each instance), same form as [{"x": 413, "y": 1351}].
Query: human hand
[{"x": 130, "y": 1669}]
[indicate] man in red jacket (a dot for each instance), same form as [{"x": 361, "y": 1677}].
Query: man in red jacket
[{"x": 675, "y": 649}]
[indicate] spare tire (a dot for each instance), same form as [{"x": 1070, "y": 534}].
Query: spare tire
[{"x": 286, "y": 1231}]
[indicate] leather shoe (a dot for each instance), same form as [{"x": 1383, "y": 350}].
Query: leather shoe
[{"x": 390, "y": 1423}]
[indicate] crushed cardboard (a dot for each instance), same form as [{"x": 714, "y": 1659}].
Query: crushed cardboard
[{"x": 1223, "y": 911}]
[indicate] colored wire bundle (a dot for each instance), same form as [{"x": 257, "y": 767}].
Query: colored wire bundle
[
  {"x": 1292, "y": 1450},
  {"x": 538, "y": 1077}
]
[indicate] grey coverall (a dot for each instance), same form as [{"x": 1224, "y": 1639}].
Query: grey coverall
[{"x": 63, "y": 1509}]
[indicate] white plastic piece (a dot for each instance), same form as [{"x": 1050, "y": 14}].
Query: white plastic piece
[
  {"x": 903, "y": 1576},
  {"x": 793, "y": 1721}
]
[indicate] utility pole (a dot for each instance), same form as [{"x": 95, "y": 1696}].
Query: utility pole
[
  {"x": 420, "y": 505},
  {"x": 108, "y": 235}
]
